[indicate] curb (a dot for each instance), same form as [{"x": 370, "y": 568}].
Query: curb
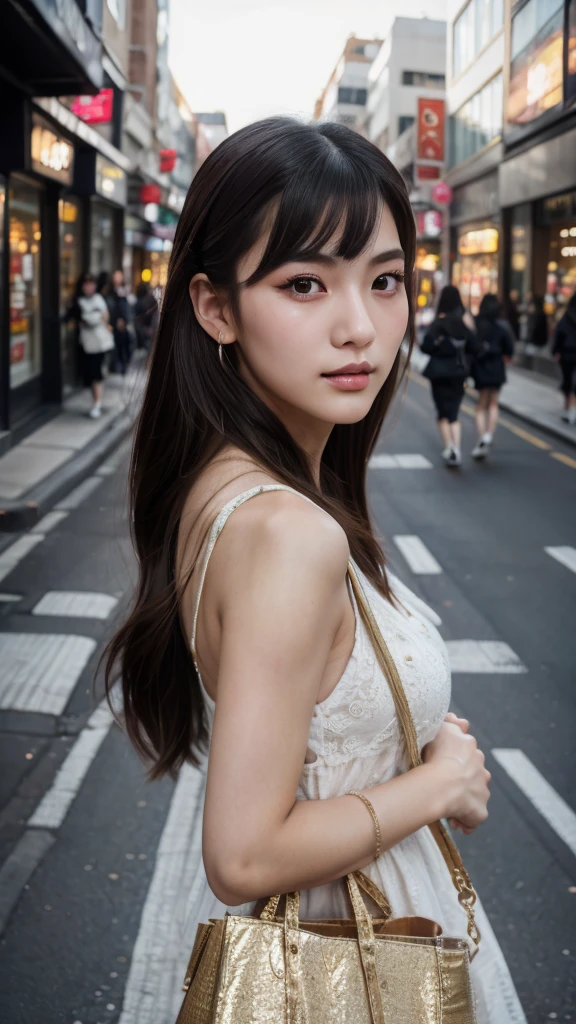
[
  {"x": 559, "y": 433},
  {"x": 16, "y": 516}
]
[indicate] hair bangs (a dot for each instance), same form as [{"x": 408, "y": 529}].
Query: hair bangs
[{"x": 340, "y": 198}]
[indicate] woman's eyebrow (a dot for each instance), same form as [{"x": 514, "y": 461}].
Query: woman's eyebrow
[{"x": 329, "y": 261}]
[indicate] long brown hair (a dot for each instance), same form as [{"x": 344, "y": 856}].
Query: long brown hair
[{"x": 312, "y": 183}]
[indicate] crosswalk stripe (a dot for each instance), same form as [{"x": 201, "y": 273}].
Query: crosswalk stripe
[
  {"x": 565, "y": 555},
  {"x": 384, "y": 461},
  {"x": 13, "y": 555},
  {"x": 540, "y": 793},
  {"x": 484, "y": 656},
  {"x": 39, "y": 671},
  {"x": 153, "y": 990},
  {"x": 54, "y": 806},
  {"x": 79, "y": 494},
  {"x": 75, "y": 604},
  {"x": 48, "y": 522},
  {"x": 420, "y": 560}
]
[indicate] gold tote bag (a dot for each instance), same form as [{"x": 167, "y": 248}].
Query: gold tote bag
[{"x": 361, "y": 970}]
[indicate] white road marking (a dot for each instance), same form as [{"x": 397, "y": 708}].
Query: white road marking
[
  {"x": 19, "y": 866},
  {"x": 486, "y": 656},
  {"x": 8, "y": 598},
  {"x": 540, "y": 793},
  {"x": 153, "y": 991},
  {"x": 80, "y": 493},
  {"x": 75, "y": 604},
  {"x": 55, "y": 803},
  {"x": 565, "y": 555},
  {"x": 48, "y": 522},
  {"x": 420, "y": 560},
  {"x": 399, "y": 462},
  {"x": 10, "y": 558},
  {"x": 39, "y": 671}
]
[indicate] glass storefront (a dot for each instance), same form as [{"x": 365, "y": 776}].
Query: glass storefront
[
  {"x": 25, "y": 235},
  {"x": 475, "y": 270},
  {"x": 70, "y": 230},
  {"x": 102, "y": 238}
]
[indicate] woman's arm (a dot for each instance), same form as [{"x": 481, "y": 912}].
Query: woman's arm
[
  {"x": 278, "y": 584},
  {"x": 429, "y": 341}
]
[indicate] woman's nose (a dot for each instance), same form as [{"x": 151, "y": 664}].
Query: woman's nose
[{"x": 354, "y": 325}]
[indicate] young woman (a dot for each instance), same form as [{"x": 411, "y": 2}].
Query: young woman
[
  {"x": 564, "y": 350},
  {"x": 120, "y": 318},
  {"x": 450, "y": 343},
  {"x": 495, "y": 349},
  {"x": 276, "y": 358},
  {"x": 90, "y": 313}
]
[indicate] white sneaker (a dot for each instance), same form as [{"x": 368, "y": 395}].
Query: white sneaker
[
  {"x": 95, "y": 412},
  {"x": 455, "y": 459},
  {"x": 481, "y": 450},
  {"x": 446, "y": 453},
  {"x": 569, "y": 416}
]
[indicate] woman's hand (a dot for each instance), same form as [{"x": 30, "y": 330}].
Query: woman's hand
[{"x": 459, "y": 762}]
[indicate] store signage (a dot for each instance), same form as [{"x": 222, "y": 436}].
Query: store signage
[
  {"x": 167, "y": 160},
  {"x": 427, "y": 172},
  {"x": 111, "y": 181},
  {"x": 536, "y": 77},
  {"x": 442, "y": 193},
  {"x": 150, "y": 194},
  {"x": 484, "y": 240},
  {"x": 95, "y": 109},
  {"x": 429, "y": 223},
  {"x": 51, "y": 154},
  {"x": 430, "y": 131}
]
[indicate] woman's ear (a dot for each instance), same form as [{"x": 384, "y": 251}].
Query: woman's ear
[{"x": 209, "y": 310}]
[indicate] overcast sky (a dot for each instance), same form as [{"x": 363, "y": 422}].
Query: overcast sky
[{"x": 253, "y": 58}]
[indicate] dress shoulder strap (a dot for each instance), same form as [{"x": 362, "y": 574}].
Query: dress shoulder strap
[{"x": 215, "y": 531}]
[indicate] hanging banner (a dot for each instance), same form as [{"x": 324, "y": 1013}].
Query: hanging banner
[
  {"x": 430, "y": 129},
  {"x": 95, "y": 109}
]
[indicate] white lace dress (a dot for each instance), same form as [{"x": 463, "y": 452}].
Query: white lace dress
[{"x": 355, "y": 738}]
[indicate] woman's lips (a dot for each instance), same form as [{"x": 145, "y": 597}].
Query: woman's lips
[{"x": 348, "y": 379}]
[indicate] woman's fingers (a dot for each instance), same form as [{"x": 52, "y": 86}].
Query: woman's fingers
[
  {"x": 460, "y": 826},
  {"x": 462, "y": 723}
]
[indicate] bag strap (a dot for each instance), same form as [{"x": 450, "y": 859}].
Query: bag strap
[{"x": 460, "y": 878}]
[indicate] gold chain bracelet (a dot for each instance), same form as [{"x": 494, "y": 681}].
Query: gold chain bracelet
[{"x": 374, "y": 816}]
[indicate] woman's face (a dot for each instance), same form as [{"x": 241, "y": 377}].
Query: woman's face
[
  {"x": 88, "y": 288},
  {"x": 317, "y": 339}
]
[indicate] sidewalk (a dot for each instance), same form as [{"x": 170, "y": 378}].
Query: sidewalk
[
  {"x": 530, "y": 396},
  {"x": 37, "y": 472}
]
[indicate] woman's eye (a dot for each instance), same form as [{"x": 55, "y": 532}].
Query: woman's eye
[
  {"x": 305, "y": 286},
  {"x": 388, "y": 283}
]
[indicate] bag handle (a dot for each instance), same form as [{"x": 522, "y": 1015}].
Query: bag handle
[{"x": 466, "y": 893}]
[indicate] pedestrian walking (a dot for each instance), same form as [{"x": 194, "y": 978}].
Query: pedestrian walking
[
  {"x": 537, "y": 335},
  {"x": 121, "y": 320},
  {"x": 145, "y": 316},
  {"x": 495, "y": 347},
  {"x": 451, "y": 344},
  {"x": 90, "y": 313},
  {"x": 264, "y": 597},
  {"x": 564, "y": 350}
]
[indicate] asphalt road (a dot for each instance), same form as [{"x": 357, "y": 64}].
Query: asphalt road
[{"x": 97, "y": 864}]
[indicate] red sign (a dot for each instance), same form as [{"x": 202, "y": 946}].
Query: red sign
[
  {"x": 95, "y": 109},
  {"x": 150, "y": 194},
  {"x": 430, "y": 129},
  {"x": 442, "y": 193},
  {"x": 429, "y": 223},
  {"x": 427, "y": 172},
  {"x": 167, "y": 159}
]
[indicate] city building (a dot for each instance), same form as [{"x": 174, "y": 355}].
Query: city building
[
  {"x": 537, "y": 177},
  {"x": 476, "y": 48},
  {"x": 345, "y": 94},
  {"x": 404, "y": 117},
  {"x": 97, "y": 149}
]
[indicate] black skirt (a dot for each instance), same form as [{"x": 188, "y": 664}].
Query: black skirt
[
  {"x": 448, "y": 395},
  {"x": 92, "y": 367}
]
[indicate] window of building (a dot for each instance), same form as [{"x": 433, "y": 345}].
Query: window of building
[
  {"x": 536, "y": 65},
  {"x": 479, "y": 21},
  {"x": 404, "y": 121},
  {"x": 24, "y": 281},
  {"x": 423, "y": 79},
  {"x": 476, "y": 123},
  {"x": 348, "y": 94},
  {"x": 571, "y": 52}
]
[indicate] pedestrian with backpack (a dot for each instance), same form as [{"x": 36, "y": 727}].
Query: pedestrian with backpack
[
  {"x": 450, "y": 343},
  {"x": 564, "y": 350},
  {"x": 495, "y": 344}
]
